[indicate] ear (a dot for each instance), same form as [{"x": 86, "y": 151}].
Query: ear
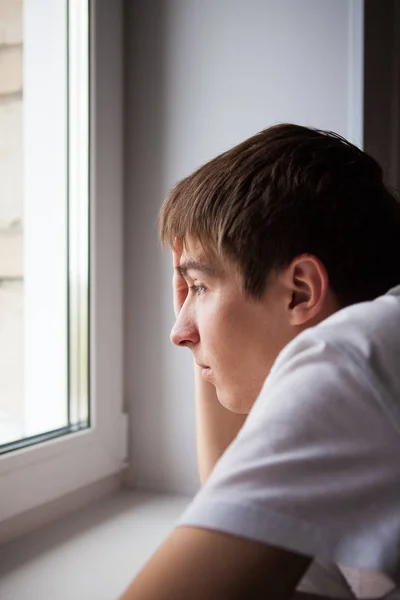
[{"x": 308, "y": 282}]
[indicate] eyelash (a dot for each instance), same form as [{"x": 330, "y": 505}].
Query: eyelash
[{"x": 197, "y": 289}]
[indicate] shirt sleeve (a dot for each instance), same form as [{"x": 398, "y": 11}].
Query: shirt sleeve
[{"x": 315, "y": 469}]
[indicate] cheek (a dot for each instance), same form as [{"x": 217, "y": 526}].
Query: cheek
[
  {"x": 224, "y": 333},
  {"x": 216, "y": 324},
  {"x": 247, "y": 340},
  {"x": 231, "y": 333}
]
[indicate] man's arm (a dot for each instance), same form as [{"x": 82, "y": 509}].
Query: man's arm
[
  {"x": 216, "y": 426},
  {"x": 201, "y": 564}
]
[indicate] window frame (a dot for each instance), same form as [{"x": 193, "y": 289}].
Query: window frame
[
  {"x": 355, "y": 118},
  {"x": 34, "y": 476}
]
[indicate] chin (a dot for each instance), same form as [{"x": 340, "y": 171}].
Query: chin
[{"x": 231, "y": 403}]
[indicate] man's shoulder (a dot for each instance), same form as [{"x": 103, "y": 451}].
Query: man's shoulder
[
  {"x": 366, "y": 335},
  {"x": 364, "y": 328},
  {"x": 361, "y": 325}
]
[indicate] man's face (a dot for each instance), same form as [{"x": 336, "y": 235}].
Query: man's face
[{"x": 236, "y": 338}]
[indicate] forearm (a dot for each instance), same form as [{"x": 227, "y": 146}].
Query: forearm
[{"x": 216, "y": 426}]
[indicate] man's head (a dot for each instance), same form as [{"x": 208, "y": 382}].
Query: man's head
[{"x": 295, "y": 224}]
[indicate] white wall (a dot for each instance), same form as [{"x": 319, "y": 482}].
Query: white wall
[{"x": 202, "y": 76}]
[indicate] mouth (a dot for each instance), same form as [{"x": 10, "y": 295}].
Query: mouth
[
  {"x": 201, "y": 365},
  {"x": 205, "y": 370}
]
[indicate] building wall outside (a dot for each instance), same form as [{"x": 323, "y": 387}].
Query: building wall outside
[{"x": 11, "y": 221}]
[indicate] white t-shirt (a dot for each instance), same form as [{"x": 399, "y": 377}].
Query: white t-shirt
[{"x": 316, "y": 466}]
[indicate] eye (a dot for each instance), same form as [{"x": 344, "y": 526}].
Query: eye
[{"x": 197, "y": 289}]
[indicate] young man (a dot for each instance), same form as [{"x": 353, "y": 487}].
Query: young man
[{"x": 287, "y": 292}]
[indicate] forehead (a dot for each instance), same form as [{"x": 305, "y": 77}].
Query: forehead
[
  {"x": 195, "y": 254},
  {"x": 193, "y": 249},
  {"x": 197, "y": 259}
]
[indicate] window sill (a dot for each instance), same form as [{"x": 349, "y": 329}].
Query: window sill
[{"x": 92, "y": 554}]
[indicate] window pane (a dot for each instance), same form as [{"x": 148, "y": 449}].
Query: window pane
[{"x": 44, "y": 219}]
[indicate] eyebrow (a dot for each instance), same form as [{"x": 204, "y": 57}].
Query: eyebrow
[{"x": 195, "y": 265}]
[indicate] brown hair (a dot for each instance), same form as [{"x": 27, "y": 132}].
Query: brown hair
[{"x": 286, "y": 191}]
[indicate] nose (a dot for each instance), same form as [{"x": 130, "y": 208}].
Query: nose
[{"x": 184, "y": 332}]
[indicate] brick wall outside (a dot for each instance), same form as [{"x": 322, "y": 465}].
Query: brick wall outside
[{"x": 11, "y": 221}]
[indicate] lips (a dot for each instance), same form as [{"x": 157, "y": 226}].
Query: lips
[
  {"x": 206, "y": 372},
  {"x": 202, "y": 366}
]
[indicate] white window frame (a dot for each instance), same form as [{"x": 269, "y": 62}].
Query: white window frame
[{"x": 34, "y": 476}]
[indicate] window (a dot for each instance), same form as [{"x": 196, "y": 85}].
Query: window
[
  {"x": 55, "y": 261},
  {"x": 44, "y": 294}
]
